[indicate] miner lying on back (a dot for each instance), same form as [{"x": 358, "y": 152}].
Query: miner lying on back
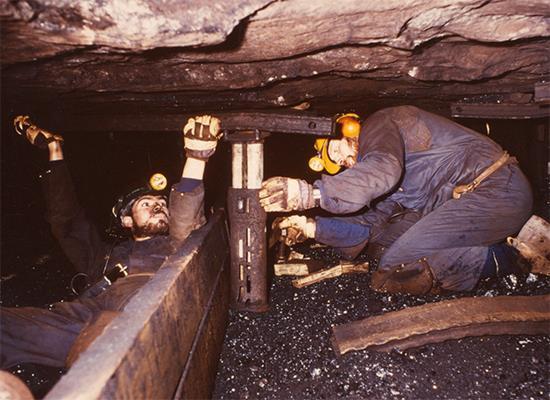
[
  {"x": 46, "y": 336},
  {"x": 440, "y": 201}
]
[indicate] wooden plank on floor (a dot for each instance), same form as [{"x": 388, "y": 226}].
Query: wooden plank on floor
[
  {"x": 143, "y": 352},
  {"x": 450, "y": 319},
  {"x": 459, "y": 332}
]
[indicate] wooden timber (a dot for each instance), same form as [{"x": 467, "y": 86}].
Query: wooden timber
[
  {"x": 452, "y": 319},
  {"x": 167, "y": 341},
  {"x": 329, "y": 273},
  {"x": 297, "y": 267}
]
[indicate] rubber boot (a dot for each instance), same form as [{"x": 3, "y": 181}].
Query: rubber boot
[{"x": 414, "y": 278}]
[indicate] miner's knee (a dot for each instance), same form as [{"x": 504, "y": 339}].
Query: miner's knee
[
  {"x": 414, "y": 278},
  {"x": 350, "y": 253}
]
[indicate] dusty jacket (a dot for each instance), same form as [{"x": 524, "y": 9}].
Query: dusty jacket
[
  {"x": 81, "y": 243},
  {"x": 411, "y": 159},
  {"x": 45, "y": 336},
  {"x": 414, "y": 156}
]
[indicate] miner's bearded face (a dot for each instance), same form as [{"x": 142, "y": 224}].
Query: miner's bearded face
[
  {"x": 344, "y": 151},
  {"x": 149, "y": 217}
]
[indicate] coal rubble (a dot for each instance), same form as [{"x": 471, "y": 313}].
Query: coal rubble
[
  {"x": 37, "y": 281},
  {"x": 286, "y": 353}
]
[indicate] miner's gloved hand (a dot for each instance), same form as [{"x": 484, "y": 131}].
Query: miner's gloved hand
[
  {"x": 296, "y": 229},
  {"x": 35, "y": 135},
  {"x": 200, "y": 136},
  {"x": 286, "y": 194}
]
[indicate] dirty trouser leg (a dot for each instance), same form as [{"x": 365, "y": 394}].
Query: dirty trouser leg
[
  {"x": 41, "y": 336},
  {"x": 347, "y": 234},
  {"x": 389, "y": 232},
  {"x": 110, "y": 304},
  {"x": 350, "y": 235},
  {"x": 454, "y": 238}
]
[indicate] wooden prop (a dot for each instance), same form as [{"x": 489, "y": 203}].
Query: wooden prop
[
  {"x": 451, "y": 319},
  {"x": 345, "y": 268},
  {"x": 296, "y": 264}
]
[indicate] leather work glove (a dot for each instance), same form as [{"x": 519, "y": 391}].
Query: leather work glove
[
  {"x": 296, "y": 229},
  {"x": 35, "y": 135},
  {"x": 286, "y": 194},
  {"x": 200, "y": 136}
]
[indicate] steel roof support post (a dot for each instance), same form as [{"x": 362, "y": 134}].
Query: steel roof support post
[{"x": 247, "y": 224}]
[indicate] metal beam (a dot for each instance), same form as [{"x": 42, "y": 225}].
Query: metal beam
[
  {"x": 499, "y": 111},
  {"x": 234, "y": 122},
  {"x": 278, "y": 122}
]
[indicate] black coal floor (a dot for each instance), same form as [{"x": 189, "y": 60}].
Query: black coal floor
[{"x": 286, "y": 352}]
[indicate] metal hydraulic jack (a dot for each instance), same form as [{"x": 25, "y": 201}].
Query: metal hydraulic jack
[{"x": 246, "y": 132}]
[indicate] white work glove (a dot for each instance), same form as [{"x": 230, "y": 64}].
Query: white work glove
[
  {"x": 296, "y": 229},
  {"x": 200, "y": 136},
  {"x": 35, "y": 135},
  {"x": 286, "y": 194}
]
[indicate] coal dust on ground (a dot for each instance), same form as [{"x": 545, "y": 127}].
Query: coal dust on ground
[{"x": 286, "y": 353}]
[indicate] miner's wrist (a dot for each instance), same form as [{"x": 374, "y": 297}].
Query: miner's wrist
[{"x": 316, "y": 196}]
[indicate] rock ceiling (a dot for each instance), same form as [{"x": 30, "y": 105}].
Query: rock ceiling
[{"x": 169, "y": 56}]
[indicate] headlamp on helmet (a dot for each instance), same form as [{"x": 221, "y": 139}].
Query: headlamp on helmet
[
  {"x": 155, "y": 187},
  {"x": 347, "y": 125}
]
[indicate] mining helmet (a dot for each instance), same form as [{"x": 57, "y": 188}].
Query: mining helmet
[
  {"x": 348, "y": 126},
  {"x": 155, "y": 186}
]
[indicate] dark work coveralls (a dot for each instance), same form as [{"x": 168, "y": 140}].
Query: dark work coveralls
[
  {"x": 45, "y": 336},
  {"x": 411, "y": 159}
]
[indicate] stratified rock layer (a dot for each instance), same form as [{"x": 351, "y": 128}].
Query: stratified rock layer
[{"x": 150, "y": 55}]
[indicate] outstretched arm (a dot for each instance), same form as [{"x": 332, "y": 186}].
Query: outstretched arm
[
  {"x": 378, "y": 169},
  {"x": 55, "y": 151},
  {"x": 76, "y": 235},
  {"x": 187, "y": 196}
]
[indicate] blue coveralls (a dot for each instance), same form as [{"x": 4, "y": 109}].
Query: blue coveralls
[{"x": 412, "y": 159}]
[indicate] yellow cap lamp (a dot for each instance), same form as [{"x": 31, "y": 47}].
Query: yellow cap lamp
[
  {"x": 349, "y": 127},
  {"x": 155, "y": 186},
  {"x": 158, "y": 181},
  {"x": 322, "y": 160}
]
